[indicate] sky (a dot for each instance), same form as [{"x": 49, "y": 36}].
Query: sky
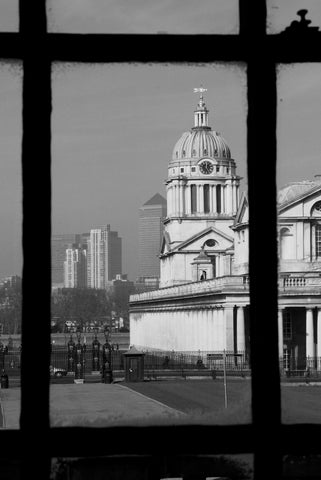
[
  {"x": 114, "y": 127},
  {"x": 114, "y": 130}
]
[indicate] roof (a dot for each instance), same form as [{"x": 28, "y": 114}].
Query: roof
[
  {"x": 295, "y": 190},
  {"x": 157, "y": 199},
  {"x": 200, "y": 142}
]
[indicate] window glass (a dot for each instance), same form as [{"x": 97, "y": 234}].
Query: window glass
[
  {"x": 11, "y": 249},
  {"x": 9, "y": 20},
  {"x": 299, "y": 220},
  {"x": 143, "y": 16},
  {"x": 281, "y": 14},
  {"x": 114, "y": 140}
]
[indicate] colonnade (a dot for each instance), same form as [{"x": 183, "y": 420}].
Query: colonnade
[
  {"x": 312, "y": 350},
  {"x": 222, "y": 198}
]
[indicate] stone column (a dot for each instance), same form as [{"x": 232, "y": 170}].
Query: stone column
[
  {"x": 309, "y": 333},
  {"x": 201, "y": 209},
  {"x": 240, "y": 329},
  {"x": 214, "y": 208},
  {"x": 169, "y": 201},
  {"x": 198, "y": 198},
  {"x": 211, "y": 197},
  {"x": 228, "y": 198},
  {"x": 176, "y": 199},
  {"x": 319, "y": 337},
  {"x": 234, "y": 198},
  {"x": 188, "y": 199},
  {"x": 181, "y": 199},
  {"x": 280, "y": 329},
  {"x": 222, "y": 198}
]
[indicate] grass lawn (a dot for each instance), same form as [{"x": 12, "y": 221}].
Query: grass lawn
[{"x": 204, "y": 400}]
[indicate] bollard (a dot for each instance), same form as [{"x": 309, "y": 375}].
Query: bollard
[{"x": 4, "y": 381}]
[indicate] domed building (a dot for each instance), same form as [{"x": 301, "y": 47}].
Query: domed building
[
  {"x": 203, "y": 305},
  {"x": 202, "y": 200}
]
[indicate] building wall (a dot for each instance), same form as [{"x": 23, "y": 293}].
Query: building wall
[
  {"x": 104, "y": 257},
  {"x": 189, "y": 330},
  {"x": 59, "y": 244},
  {"x": 150, "y": 235}
]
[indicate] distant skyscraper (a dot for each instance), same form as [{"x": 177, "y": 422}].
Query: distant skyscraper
[
  {"x": 75, "y": 266},
  {"x": 59, "y": 244},
  {"x": 151, "y": 216},
  {"x": 104, "y": 257}
]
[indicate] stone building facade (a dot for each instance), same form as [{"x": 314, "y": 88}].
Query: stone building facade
[{"x": 204, "y": 300}]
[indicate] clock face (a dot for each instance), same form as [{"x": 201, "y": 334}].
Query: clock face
[{"x": 206, "y": 167}]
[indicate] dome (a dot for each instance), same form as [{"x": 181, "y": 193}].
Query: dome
[{"x": 201, "y": 142}]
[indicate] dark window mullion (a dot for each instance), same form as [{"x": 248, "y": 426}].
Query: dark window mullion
[
  {"x": 36, "y": 235},
  {"x": 263, "y": 274}
]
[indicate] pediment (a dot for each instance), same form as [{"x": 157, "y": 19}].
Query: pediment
[
  {"x": 242, "y": 214},
  {"x": 217, "y": 241},
  {"x": 302, "y": 206}
]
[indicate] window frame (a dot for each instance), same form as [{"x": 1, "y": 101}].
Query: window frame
[{"x": 36, "y": 156}]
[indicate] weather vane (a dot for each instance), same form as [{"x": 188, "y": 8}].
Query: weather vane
[{"x": 200, "y": 90}]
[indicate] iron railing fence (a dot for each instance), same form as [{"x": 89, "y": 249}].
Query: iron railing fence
[
  {"x": 195, "y": 360},
  {"x": 10, "y": 361},
  {"x": 301, "y": 366}
]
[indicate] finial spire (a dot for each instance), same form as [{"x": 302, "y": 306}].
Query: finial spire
[{"x": 201, "y": 113}]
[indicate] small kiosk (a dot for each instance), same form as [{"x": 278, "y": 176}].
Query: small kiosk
[{"x": 134, "y": 365}]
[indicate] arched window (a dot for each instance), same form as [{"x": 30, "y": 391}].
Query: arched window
[
  {"x": 183, "y": 153},
  {"x": 193, "y": 152},
  {"x": 193, "y": 199},
  {"x": 205, "y": 151},
  {"x": 286, "y": 244},
  {"x": 206, "y": 198},
  {"x": 316, "y": 210}
]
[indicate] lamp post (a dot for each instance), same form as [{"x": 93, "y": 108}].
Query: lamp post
[
  {"x": 107, "y": 372},
  {"x": 4, "y": 377},
  {"x": 80, "y": 357},
  {"x": 95, "y": 352},
  {"x": 71, "y": 347}
]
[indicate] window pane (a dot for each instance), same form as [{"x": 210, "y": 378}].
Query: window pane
[
  {"x": 11, "y": 251},
  {"x": 299, "y": 199},
  {"x": 9, "y": 19},
  {"x": 118, "y": 131},
  {"x": 142, "y": 16},
  {"x": 281, "y": 13}
]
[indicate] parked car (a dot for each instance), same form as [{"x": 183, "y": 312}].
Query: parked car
[{"x": 57, "y": 372}]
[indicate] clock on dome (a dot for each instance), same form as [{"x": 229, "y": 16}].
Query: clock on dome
[{"x": 206, "y": 167}]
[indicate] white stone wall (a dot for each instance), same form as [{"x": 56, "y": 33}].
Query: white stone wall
[{"x": 182, "y": 330}]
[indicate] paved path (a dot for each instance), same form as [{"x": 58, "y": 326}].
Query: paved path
[
  {"x": 10, "y": 407},
  {"x": 96, "y": 405}
]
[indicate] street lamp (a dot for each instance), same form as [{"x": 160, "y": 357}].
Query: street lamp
[
  {"x": 107, "y": 373},
  {"x": 95, "y": 351}
]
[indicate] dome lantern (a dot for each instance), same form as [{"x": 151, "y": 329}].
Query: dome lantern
[{"x": 201, "y": 113}]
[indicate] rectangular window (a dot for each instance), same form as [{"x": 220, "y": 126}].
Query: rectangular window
[{"x": 287, "y": 325}]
